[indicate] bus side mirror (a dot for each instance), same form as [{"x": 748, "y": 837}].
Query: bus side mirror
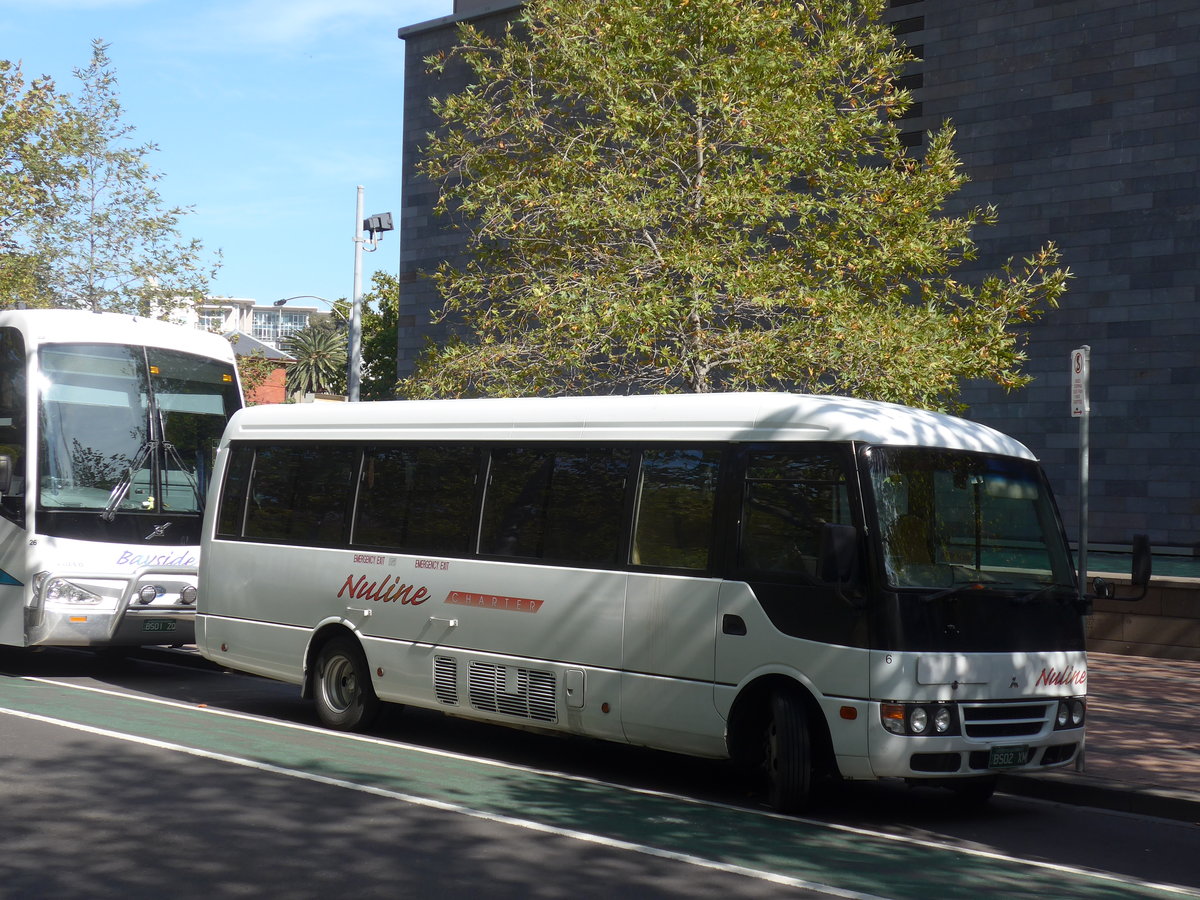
[
  {"x": 1139, "y": 576},
  {"x": 6, "y": 469},
  {"x": 838, "y": 563},
  {"x": 1141, "y": 562}
]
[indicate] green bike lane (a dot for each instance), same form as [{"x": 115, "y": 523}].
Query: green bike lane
[{"x": 840, "y": 860}]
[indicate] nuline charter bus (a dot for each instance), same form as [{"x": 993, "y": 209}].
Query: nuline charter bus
[
  {"x": 108, "y": 430},
  {"x": 810, "y": 585}
]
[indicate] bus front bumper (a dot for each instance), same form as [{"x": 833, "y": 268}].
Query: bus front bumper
[{"x": 113, "y": 611}]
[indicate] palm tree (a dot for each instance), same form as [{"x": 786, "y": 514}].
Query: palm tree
[{"x": 319, "y": 364}]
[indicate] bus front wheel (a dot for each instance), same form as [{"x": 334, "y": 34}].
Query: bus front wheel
[
  {"x": 787, "y": 754},
  {"x": 344, "y": 696}
]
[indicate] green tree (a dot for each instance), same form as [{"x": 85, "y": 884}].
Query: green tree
[
  {"x": 319, "y": 360},
  {"x": 380, "y": 310},
  {"x": 114, "y": 244},
  {"x": 698, "y": 195},
  {"x": 39, "y": 143}
]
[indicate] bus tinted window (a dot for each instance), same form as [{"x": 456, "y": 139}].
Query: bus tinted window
[
  {"x": 583, "y": 517},
  {"x": 787, "y": 498},
  {"x": 417, "y": 499},
  {"x": 558, "y": 504},
  {"x": 299, "y": 494},
  {"x": 233, "y": 496},
  {"x": 514, "y": 512},
  {"x": 676, "y": 497},
  {"x": 13, "y": 422}
]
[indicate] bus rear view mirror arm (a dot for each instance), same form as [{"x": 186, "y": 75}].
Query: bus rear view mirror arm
[{"x": 1139, "y": 575}]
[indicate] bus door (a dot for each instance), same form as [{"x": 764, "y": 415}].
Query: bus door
[
  {"x": 671, "y": 603},
  {"x": 14, "y": 537},
  {"x": 790, "y": 605}
]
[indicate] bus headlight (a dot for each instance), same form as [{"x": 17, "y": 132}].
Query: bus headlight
[
  {"x": 1070, "y": 714},
  {"x": 59, "y": 590},
  {"x": 936, "y": 719}
]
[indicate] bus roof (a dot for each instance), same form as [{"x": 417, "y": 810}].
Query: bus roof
[
  {"x": 741, "y": 417},
  {"x": 61, "y": 326}
]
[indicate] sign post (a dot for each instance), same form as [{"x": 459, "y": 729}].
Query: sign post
[{"x": 1081, "y": 408}]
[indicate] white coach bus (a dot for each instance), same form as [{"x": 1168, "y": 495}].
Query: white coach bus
[
  {"x": 814, "y": 586},
  {"x": 108, "y": 431}
]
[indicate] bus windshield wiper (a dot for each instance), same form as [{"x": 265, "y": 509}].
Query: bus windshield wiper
[
  {"x": 1034, "y": 596},
  {"x": 174, "y": 457},
  {"x": 952, "y": 590},
  {"x": 121, "y": 489}
]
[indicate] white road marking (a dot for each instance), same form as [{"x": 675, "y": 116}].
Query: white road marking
[{"x": 923, "y": 843}]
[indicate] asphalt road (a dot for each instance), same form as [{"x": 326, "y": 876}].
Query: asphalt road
[{"x": 145, "y": 778}]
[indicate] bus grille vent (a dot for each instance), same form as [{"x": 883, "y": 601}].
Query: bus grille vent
[
  {"x": 994, "y": 720},
  {"x": 513, "y": 691},
  {"x": 445, "y": 679}
]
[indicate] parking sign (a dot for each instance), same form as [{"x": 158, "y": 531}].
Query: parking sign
[{"x": 1080, "y": 366}]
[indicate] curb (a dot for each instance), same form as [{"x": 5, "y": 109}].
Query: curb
[{"x": 1100, "y": 793}]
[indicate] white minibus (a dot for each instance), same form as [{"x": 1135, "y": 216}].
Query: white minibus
[
  {"x": 109, "y": 426},
  {"x": 812, "y": 585}
]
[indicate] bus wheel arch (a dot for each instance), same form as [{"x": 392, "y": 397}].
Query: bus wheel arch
[
  {"x": 338, "y": 679},
  {"x": 777, "y": 732}
]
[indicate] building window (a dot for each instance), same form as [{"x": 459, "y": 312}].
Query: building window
[
  {"x": 266, "y": 325},
  {"x": 291, "y": 322},
  {"x": 213, "y": 319}
]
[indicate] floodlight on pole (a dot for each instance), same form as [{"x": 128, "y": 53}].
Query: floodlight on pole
[{"x": 374, "y": 227}]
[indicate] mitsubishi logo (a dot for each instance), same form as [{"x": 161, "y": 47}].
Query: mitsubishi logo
[{"x": 159, "y": 531}]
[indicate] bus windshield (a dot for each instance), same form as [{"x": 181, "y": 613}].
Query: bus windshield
[
  {"x": 129, "y": 428},
  {"x": 950, "y": 518}
]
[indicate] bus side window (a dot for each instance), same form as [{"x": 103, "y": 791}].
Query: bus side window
[
  {"x": 299, "y": 494},
  {"x": 12, "y": 422},
  {"x": 787, "y": 498},
  {"x": 233, "y": 494},
  {"x": 417, "y": 499},
  {"x": 676, "y": 498},
  {"x": 583, "y": 517},
  {"x": 557, "y": 504},
  {"x": 514, "y": 508}
]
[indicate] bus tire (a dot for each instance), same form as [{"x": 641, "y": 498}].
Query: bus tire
[
  {"x": 343, "y": 692},
  {"x": 787, "y": 754}
]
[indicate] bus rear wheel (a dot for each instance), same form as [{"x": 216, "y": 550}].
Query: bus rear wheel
[
  {"x": 787, "y": 754},
  {"x": 344, "y": 696}
]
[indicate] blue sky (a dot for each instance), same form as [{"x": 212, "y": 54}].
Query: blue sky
[{"x": 268, "y": 115}]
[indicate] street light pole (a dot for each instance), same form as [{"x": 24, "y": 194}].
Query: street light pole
[
  {"x": 374, "y": 228},
  {"x": 354, "y": 360}
]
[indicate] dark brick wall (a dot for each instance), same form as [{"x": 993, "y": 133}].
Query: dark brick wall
[
  {"x": 425, "y": 241},
  {"x": 1078, "y": 119}
]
